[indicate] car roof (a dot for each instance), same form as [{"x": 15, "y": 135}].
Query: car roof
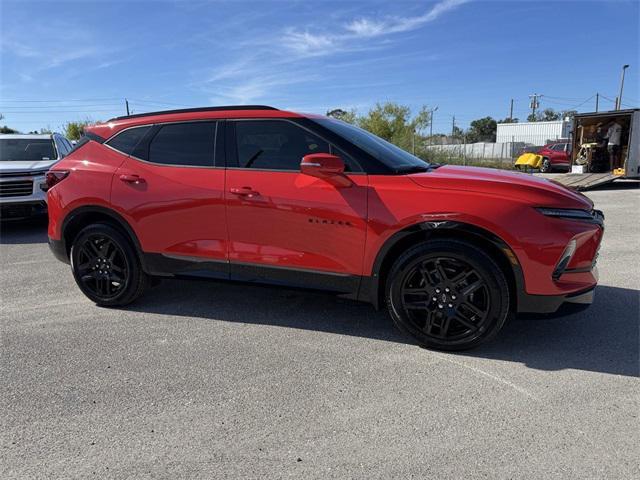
[
  {"x": 114, "y": 125},
  {"x": 26, "y": 136}
]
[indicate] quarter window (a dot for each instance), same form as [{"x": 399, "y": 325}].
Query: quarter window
[
  {"x": 275, "y": 145},
  {"x": 185, "y": 144},
  {"x": 127, "y": 140}
]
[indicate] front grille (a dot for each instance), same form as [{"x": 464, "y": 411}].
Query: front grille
[
  {"x": 29, "y": 173},
  {"x": 16, "y": 188}
]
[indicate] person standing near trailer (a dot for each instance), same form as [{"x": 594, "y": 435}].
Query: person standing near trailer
[{"x": 614, "y": 135}]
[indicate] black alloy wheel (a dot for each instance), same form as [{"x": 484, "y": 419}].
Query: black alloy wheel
[
  {"x": 448, "y": 295},
  {"x": 106, "y": 267}
]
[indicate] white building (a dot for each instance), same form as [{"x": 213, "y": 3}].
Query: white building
[{"x": 535, "y": 133}]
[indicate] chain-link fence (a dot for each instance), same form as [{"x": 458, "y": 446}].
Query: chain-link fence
[{"x": 499, "y": 155}]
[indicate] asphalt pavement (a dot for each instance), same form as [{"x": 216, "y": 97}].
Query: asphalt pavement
[{"x": 211, "y": 380}]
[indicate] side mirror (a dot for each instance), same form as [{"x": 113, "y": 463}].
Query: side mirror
[{"x": 325, "y": 166}]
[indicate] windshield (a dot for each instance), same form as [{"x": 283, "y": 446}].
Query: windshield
[
  {"x": 388, "y": 154},
  {"x": 30, "y": 149}
]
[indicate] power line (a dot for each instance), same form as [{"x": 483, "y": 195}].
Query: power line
[
  {"x": 28, "y": 107},
  {"x": 62, "y": 101}
]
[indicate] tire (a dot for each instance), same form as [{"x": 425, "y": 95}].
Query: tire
[
  {"x": 545, "y": 166},
  {"x": 447, "y": 295},
  {"x": 106, "y": 267}
]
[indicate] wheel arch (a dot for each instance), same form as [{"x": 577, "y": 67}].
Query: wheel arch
[
  {"x": 79, "y": 218},
  {"x": 373, "y": 286}
]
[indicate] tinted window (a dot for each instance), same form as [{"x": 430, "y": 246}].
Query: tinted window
[
  {"x": 189, "y": 144},
  {"x": 127, "y": 140},
  {"x": 276, "y": 145},
  {"x": 16, "y": 149},
  {"x": 383, "y": 151}
]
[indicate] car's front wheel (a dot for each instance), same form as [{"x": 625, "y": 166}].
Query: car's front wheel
[
  {"x": 105, "y": 266},
  {"x": 448, "y": 295}
]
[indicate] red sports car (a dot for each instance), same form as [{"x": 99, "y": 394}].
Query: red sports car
[{"x": 262, "y": 195}]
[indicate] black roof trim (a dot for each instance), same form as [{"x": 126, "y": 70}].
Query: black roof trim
[{"x": 199, "y": 109}]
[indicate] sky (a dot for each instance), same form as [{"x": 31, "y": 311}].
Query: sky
[{"x": 66, "y": 61}]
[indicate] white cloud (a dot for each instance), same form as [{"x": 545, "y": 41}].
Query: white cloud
[
  {"x": 305, "y": 43},
  {"x": 264, "y": 71}
]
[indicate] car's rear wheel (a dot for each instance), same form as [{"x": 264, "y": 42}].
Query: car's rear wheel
[
  {"x": 448, "y": 295},
  {"x": 545, "y": 166},
  {"x": 105, "y": 266}
]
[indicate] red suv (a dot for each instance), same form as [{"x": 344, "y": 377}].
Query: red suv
[
  {"x": 263, "y": 195},
  {"x": 555, "y": 156}
]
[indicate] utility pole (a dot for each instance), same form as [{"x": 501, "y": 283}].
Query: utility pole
[
  {"x": 453, "y": 127},
  {"x": 511, "y": 111},
  {"x": 431, "y": 125},
  {"x": 534, "y": 104},
  {"x": 126, "y": 102},
  {"x": 619, "y": 102},
  {"x": 597, "y": 101}
]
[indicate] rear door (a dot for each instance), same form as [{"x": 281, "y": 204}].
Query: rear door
[
  {"x": 286, "y": 226},
  {"x": 171, "y": 190}
]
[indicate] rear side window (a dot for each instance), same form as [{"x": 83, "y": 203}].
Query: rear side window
[
  {"x": 127, "y": 140},
  {"x": 184, "y": 144}
]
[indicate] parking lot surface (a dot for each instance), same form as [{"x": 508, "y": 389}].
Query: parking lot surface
[{"x": 211, "y": 380}]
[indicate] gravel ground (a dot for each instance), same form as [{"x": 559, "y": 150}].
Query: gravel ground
[{"x": 202, "y": 380}]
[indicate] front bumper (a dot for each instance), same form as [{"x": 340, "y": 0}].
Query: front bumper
[
  {"x": 551, "y": 303},
  {"x": 21, "y": 195}
]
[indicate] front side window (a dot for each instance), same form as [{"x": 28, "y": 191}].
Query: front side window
[
  {"x": 21, "y": 149},
  {"x": 386, "y": 153},
  {"x": 127, "y": 140},
  {"x": 184, "y": 144},
  {"x": 275, "y": 144}
]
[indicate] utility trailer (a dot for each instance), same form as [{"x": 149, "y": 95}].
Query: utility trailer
[{"x": 584, "y": 130}]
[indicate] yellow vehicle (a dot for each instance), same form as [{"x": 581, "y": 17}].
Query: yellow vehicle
[{"x": 528, "y": 161}]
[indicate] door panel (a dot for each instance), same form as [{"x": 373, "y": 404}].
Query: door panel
[
  {"x": 176, "y": 210},
  {"x": 174, "y": 197},
  {"x": 296, "y": 221}
]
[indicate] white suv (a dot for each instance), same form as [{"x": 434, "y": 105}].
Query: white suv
[{"x": 24, "y": 161}]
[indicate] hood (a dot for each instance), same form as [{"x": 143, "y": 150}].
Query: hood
[
  {"x": 26, "y": 165},
  {"x": 519, "y": 186}
]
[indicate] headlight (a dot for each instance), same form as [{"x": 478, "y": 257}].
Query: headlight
[{"x": 572, "y": 213}]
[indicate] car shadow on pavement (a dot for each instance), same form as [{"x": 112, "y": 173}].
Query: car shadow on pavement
[
  {"x": 268, "y": 305},
  {"x": 603, "y": 338},
  {"x": 29, "y": 231}
]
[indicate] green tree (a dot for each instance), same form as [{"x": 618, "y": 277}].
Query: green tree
[
  {"x": 75, "y": 130},
  {"x": 482, "y": 130},
  {"x": 547, "y": 115},
  {"x": 348, "y": 116},
  {"x": 6, "y": 129},
  {"x": 396, "y": 124}
]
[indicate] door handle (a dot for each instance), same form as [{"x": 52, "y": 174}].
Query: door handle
[
  {"x": 244, "y": 192},
  {"x": 135, "y": 179}
]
